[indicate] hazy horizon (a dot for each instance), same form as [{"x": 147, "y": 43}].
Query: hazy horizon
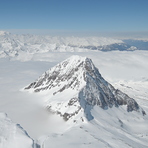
[{"x": 64, "y": 33}]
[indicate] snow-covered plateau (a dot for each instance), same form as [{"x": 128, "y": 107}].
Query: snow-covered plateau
[{"x": 35, "y": 116}]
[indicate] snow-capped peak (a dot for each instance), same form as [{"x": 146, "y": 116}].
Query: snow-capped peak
[
  {"x": 2, "y": 33},
  {"x": 68, "y": 74},
  {"x": 75, "y": 86}
]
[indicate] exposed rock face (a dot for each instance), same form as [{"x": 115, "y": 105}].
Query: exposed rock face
[{"x": 75, "y": 86}]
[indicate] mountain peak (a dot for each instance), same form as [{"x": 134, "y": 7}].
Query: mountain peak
[
  {"x": 71, "y": 72},
  {"x": 75, "y": 86}
]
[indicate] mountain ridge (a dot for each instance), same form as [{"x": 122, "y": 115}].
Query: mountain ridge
[
  {"x": 13, "y": 135},
  {"x": 75, "y": 86},
  {"x": 13, "y": 45}
]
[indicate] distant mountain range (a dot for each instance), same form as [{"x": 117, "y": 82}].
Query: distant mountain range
[
  {"x": 140, "y": 44},
  {"x": 12, "y": 45}
]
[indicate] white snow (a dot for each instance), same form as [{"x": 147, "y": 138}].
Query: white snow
[
  {"x": 132, "y": 48},
  {"x": 13, "y": 135},
  {"x": 2, "y": 33},
  {"x": 12, "y": 45},
  {"x": 114, "y": 128}
]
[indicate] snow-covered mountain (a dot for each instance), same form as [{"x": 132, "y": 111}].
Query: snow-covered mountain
[
  {"x": 141, "y": 44},
  {"x": 114, "y": 127},
  {"x": 13, "y": 135},
  {"x": 13, "y": 45},
  {"x": 75, "y": 86}
]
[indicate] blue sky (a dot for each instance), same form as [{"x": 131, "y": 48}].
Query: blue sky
[{"x": 75, "y": 15}]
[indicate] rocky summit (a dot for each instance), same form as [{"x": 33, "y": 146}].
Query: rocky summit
[{"x": 74, "y": 86}]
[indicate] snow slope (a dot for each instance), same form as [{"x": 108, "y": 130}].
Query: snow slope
[
  {"x": 111, "y": 129},
  {"x": 13, "y": 135}
]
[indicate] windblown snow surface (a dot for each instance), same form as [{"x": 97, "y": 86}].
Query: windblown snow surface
[{"x": 111, "y": 128}]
